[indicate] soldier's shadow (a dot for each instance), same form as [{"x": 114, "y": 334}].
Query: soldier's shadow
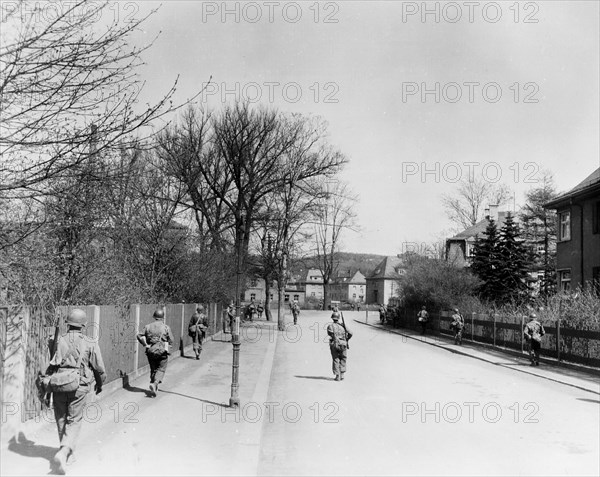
[
  {"x": 23, "y": 446},
  {"x": 322, "y": 378}
]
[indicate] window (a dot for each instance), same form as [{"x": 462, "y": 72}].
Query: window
[
  {"x": 271, "y": 296},
  {"x": 564, "y": 277},
  {"x": 286, "y": 298},
  {"x": 312, "y": 293},
  {"x": 297, "y": 297},
  {"x": 354, "y": 295},
  {"x": 253, "y": 282},
  {"x": 564, "y": 224},
  {"x": 253, "y": 296}
]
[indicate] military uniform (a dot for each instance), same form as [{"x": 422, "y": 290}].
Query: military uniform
[
  {"x": 338, "y": 346},
  {"x": 69, "y": 406},
  {"x": 197, "y": 331},
  {"x": 533, "y": 332},
  {"x": 231, "y": 316},
  {"x": 423, "y": 317},
  {"x": 154, "y": 337},
  {"x": 382, "y": 314},
  {"x": 260, "y": 310},
  {"x": 457, "y": 325},
  {"x": 295, "y": 311}
]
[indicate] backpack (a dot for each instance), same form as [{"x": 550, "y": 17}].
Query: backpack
[
  {"x": 338, "y": 343},
  {"x": 64, "y": 380}
]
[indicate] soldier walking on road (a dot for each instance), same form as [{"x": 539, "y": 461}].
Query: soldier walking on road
[
  {"x": 338, "y": 345},
  {"x": 382, "y": 313},
  {"x": 260, "y": 308},
  {"x": 74, "y": 350},
  {"x": 295, "y": 310},
  {"x": 156, "y": 338},
  {"x": 423, "y": 317},
  {"x": 533, "y": 332},
  {"x": 457, "y": 325},
  {"x": 231, "y": 315},
  {"x": 197, "y": 329}
]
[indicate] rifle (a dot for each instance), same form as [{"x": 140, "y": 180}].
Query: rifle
[{"x": 345, "y": 330}]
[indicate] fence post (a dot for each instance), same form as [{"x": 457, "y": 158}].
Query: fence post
[
  {"x": 472, "y": 323},
  {"x": 366, "y": 313},
  {"x": 181, "y": 346},
  {"x": 522, "y": 326},
  {"x": 558, "y": 339},
  {"x": 495, "y": 330},
  {"x": 136, "y": 327}
]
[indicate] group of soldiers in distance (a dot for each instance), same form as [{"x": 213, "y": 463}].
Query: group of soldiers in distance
[{"x": 533, "y": 331}]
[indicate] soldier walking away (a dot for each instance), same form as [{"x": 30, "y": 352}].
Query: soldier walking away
[
  {"x": 260, "y": 308},
  {"x": 457, "y": 325},
  {"x": 295, "y": 310},
  {"x": 338, "y": 345},
  {"x": 74, "y": 350},
  {"x": 533, "y": 332},
  {"x": 231, "y": 315},
  {"x": 382, "y": 313},
  {"x": 156, "y": 338},
  {"x": 197, "y": 329},
  {"x": 423, "y": 317}
]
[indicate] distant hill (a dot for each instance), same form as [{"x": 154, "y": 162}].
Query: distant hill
[{"x": 365, "y": 262}]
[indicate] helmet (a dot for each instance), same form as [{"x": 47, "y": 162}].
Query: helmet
[
  {"x": 532, "y": 315},
  {"x": 76, "y": 318},
  {"x": 159, "y": 313},
  {"x": 335, "y": 315},
  {"x": 456, "y": 310},
  {"x": 200, "y": 308}
]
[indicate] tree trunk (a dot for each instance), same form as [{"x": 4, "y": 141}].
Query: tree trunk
[
  {"x": 280, "y": 312},
  {"x": 268, "y": 299}
]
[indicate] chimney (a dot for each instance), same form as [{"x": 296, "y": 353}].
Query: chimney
[{"x": 494, "y": 213}]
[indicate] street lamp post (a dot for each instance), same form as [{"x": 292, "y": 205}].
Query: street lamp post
[{"x": 234, "y": 400}]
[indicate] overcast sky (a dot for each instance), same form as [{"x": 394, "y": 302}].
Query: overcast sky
[{"x": 517, "y": 91}]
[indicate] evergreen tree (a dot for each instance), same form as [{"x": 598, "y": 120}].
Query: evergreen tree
[
  {"x": 539, "y": 230},
  {"x": 486, "y": 262},
  {"x": 516, "y": 259}
]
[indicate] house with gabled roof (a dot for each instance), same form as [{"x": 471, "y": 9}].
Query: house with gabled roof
[
  {"x": 348, "y": 285},
  {"x": 459, "y": 249},
  {"x": 382, "y": 283},
  {"x": 578, "y": 234}
]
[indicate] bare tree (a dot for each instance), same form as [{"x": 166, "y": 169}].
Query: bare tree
[
  {"x": 466, "y": 207},
  {"x": 334, "y": 215},
  {"x": 66, "y": 83}
]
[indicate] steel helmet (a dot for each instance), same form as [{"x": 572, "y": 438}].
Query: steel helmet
[
  {"x": 159, "y": 313},
  {"x": 200, "y": 308},
  {"x": 335, "y": 315},
  {"x": 76, "y": 318}
]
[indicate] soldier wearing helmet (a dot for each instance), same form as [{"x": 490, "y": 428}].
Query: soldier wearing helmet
[
  {"x": 197, "y": 329},
  {"x": 457, "y": 325},
  {"x": 74, "y": 348},
  {"x": 533, "y": 332},
  {"x": 156, "y": 338},
  {"x": 338, "y": 345}
]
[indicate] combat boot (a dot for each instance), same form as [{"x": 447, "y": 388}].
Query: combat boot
[
  {"x": 60, "y": 460},
  {"x": 342, "y": 377},
  {"x": 337, "y": 377}
]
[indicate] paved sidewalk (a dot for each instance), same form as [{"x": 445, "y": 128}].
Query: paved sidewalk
[
  {"x": 573, "y": 375},
  {"x": 128, "y": 433}
]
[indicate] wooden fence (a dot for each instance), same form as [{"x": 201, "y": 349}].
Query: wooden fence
[{"x": 563, "y": 341}]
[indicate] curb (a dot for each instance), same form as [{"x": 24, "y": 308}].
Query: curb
[{"x": 463, "y": 353}]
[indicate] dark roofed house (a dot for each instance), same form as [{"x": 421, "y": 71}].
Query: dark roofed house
[
  {"x": 382, "y": 284},
  {"x": 578, "y": 234},
  {"x": 459, "y": 249}
]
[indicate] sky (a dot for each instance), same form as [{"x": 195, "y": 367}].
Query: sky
[{"x": 417, "y": 95}]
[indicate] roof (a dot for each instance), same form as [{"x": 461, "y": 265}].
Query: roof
[
  {"x": 591, "y": 184},
  {"x": 387, "y": 269},
  {"x": 480, "y": 227}
]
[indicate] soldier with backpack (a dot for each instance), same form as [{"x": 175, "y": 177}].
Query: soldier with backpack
[
  {"x": 156, "y": 338},
  {"x": 423, "y": 318},
  {"x": 338, "y": 345},
  {"x": 295, "y": 310},
  {"x": 197, "y": 329},
  {"x": 533, "y": 332},
  {"x": 457, "y": 325},
  {"x": 75, "y": 366}
]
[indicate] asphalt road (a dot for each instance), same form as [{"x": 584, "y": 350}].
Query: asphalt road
[{"x": 407, "y": 408}]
